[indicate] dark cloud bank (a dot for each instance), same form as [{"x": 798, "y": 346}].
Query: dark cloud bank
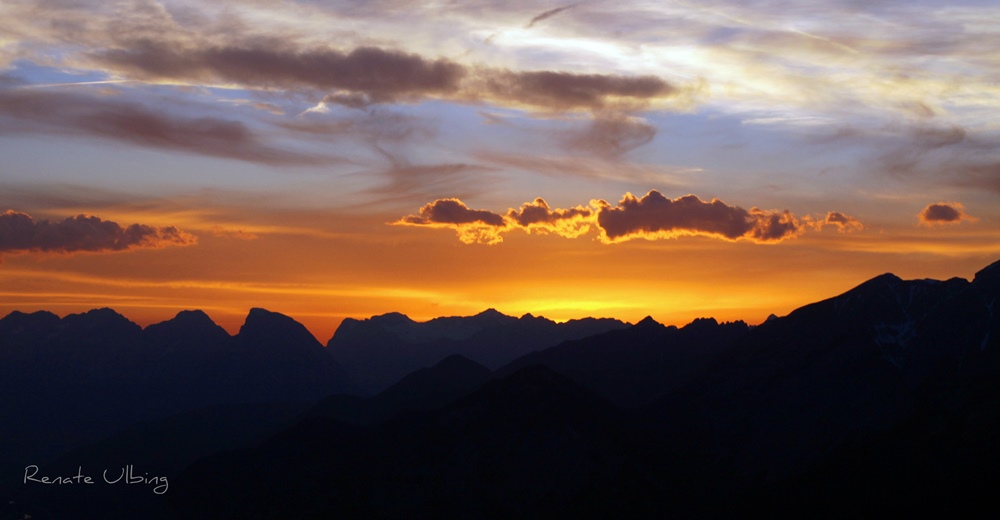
[
  {"x": 20, "y": 233},
  {"x": 374, "y": 75},
  {"x": 652, "y": 217}
]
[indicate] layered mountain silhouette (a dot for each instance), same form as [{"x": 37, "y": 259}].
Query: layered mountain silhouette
[
  {"x": 425, "y": 389},
  {"x": 382, "y": 349},
  {"x": 640, "y": 364},
  {"x": 71, "y": 381},
  {"x": 882, "y": 400},
  {"x": 533, "y": 443}
]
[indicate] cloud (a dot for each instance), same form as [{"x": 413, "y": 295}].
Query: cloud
[
  {"x": 560, "y": 91},
  {"x": 454, "y": 211},
  {"x": 538, "y": 216},
  {"x": 651, "y": 217},
  {"x": 237, "y": 233},
  {"x": 612, "y": 135},
  {"x": 19, "y": 233},
  {"x": 46, "y": 112},
  {"x": 655, "y": 217},
  {"x": 548, "y": 14},
  {"x": 843, "y": 223},
  {"x": 369, "y": 73},
  {"x": 944, "y": 213},
  {"x": 472, "y": 225},
  {"x": 587, "y": 166},
  {"x": 983, "y": 175}
]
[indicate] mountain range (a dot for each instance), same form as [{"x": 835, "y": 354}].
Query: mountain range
[
  {"x": 380, "y": 350},
  {"x": 881, "y": 400}
]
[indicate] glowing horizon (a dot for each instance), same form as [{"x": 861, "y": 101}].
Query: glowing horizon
[{"x": 335, "y": 159}]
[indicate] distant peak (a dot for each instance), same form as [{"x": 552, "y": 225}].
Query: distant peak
[
  {"x": 188, "y": 325},
  {"x": 258, "y": 317},
  {"x": 196, "y": 315},
  {"x": 102, "y": 315},
  {"x": 648, "y": 321},
  {"x": 888, "y": 278},
  {"x": 392, "y": 318},
  {"x": 262, "y": 323},
  {"x": 702, "y": 322},
  {"x": 187, "y": 318},
  {"x": 37, "y": 314},
  {"x": 989, "y": 276},
  {"x": 102, "y": 312},
  {"x": 492, "y": 316}
]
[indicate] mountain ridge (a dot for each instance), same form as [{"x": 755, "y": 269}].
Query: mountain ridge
[{"x": 898, "y": 377}]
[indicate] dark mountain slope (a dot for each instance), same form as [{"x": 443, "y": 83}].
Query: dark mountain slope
[
  {"x": 531, "y": 445},
  {"x": 380, "y": 350},
  {"x": 795, "y": 389},
  {"x": 880, "y": 401},
  {"x": 425, "y": 389},
  {"x": 160, "y": 449},
  {"x": 69, "y": 382},
  {"x": 637, "y": 365}
]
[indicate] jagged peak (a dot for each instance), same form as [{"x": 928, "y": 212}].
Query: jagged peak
[
  {"x": 101, "y": 315},
  {"x": 703, "y": 322},
  {"x": 100, "y": 312},
  {"x": 531, "y": 317},
  {"x": 648, "y": 321}
]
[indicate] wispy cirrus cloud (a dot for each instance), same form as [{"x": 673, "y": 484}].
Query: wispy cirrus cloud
[
  {"x": 24, "y": 111},
  {"x": 548, "y": 14}
]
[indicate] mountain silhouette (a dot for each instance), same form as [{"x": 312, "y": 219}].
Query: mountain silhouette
[
  {"x": 889, "y": 387},
  {"x": 72, "y": 381},
  {"x": 425, "y": 389},
  {"x": 532, "y": 444},
  {"x": 380, "y": 350},
  {"x": 635, "y": 366},
  {"x": 856, "y": 365},
  {"x": 882, "y": 400}
]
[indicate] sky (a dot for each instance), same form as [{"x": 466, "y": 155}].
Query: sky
[{"x": 601, "y": 158}]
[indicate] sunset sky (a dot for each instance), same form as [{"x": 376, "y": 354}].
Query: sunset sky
[{"x": 601, "y": 158}]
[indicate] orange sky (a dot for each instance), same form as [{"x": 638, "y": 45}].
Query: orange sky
[
  {"x": 428, "y": 273},
  {"x": 334, "y": 159}
]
